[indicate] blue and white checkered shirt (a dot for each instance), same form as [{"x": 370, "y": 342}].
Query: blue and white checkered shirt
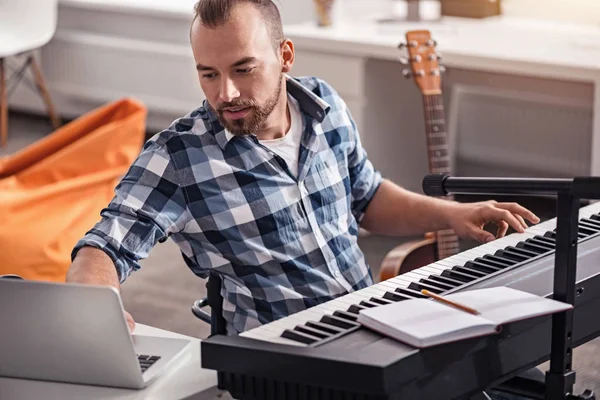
[{"x": 280, "y": 244}]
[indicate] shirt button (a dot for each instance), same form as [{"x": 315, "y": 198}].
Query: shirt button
[{"x": 336, "y": 273}]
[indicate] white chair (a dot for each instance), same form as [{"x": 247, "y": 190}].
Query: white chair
[{"x": 25, "y": 25}]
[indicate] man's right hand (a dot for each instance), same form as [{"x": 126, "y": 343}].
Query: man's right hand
[
  {"x": 130, "y": 321},
  {"x": 93, "y": 266}
]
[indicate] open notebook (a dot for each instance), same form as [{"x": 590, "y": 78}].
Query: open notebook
[{"x": 428, "y": 322}]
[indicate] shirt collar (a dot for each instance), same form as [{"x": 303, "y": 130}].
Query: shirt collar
[{"x": 308, "y": 101}]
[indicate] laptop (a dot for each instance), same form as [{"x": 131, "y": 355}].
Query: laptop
[{"x": 76, "y": 333}]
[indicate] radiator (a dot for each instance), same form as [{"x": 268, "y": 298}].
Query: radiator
[{"x": 510, "y": 132}]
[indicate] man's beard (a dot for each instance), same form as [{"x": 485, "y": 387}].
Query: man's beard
[{"x": 257, "y": 114}]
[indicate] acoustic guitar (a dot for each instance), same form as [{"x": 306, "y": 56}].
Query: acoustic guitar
[{"x": 426, "y": 71}]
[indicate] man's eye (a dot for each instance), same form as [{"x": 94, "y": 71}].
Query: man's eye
[
  {"x": 210, "y": 75},
  {"x": 245, "y": 70}
]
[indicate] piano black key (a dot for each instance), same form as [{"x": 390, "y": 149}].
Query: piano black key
[
  {"x": 418, "y": 286},
  {"x": 312, "y": 331},
  {"x": 459, "y": 275},
  {"x": 524, "y": 252},
  {"x": 532, "y": 247},
  {"x": 379, "y": 300},
  {"x": 550, "y": 234},
  {"x": 482, "y": 266},
  {"x": 299, "y": 336},
  {"x": 548, "y": 240},
  {"x": 396, "y": 296},
  {"x": 411, "y": 293},
  {"x": 542, "y": 243},
  {"x": 355, "y": 308},
  {"x": 445, "y": 279},
  {"x": 369, "y": 304},
  {"x": 590, "y": 223},
  {"x": 469, "y": 271},
  {"x": 492, "y": 263},
  {"x": 444, "y": 286},
  {"x": 587, "y": 231},
  {"x": 506, "y": 261},
  {"x": 595, "y": 217},
  {"x": 337, "y": 321},
  {"x": 510, "y": 254},
  {"x": 324, "y": 327},
  {"x": 345, "y": 315}
]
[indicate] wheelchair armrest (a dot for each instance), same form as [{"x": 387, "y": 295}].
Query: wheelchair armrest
[{"x": 198, "y": 312}]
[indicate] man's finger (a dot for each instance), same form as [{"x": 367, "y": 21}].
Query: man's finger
[
  {"x": 480, "y": 235},
  {"x": 130, "y": 321},
  {"x": 502, "y": 229},
  {"x": 498, "y": 214},
  {"x": 522, "y": 221},
  {"x": 518, "y": 209}
]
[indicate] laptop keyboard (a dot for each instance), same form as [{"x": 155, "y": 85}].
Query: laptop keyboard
[{"x": 147, "y": 361}]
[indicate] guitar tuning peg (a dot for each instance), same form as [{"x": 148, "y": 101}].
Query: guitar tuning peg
[
  {"x": 442, "y": 69},
  {"x": 431, "y": 43},
  {"x": 401, "y": 45},
  {"x": 406, "y": 72},
  {"x": 403, "y": 60},
  {"x": 434, "y": 57}
]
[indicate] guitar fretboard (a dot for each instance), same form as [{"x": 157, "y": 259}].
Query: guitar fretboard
[{"x": 439, "y": 161}]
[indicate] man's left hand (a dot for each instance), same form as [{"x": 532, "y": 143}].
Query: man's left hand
[{"x": 469, "y": 219}]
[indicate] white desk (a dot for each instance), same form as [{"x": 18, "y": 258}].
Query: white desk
[{"x": 186, "y": 380}]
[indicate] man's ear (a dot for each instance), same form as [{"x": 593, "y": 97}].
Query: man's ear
[{"x": 287, "y": 55}]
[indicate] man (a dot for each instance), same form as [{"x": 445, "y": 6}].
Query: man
[{"x": 265, "y": 184}]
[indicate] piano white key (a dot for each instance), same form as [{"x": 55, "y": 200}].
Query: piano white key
[{"x": 420, "y": 272}]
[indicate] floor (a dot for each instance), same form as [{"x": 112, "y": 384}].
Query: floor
[{"x": 162, "y": 292}]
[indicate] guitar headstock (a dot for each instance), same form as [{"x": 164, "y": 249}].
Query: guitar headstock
[{"x": 423, "y": 61}]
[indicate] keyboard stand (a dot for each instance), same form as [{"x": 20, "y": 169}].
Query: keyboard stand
[{"x": 560, "y": 378}]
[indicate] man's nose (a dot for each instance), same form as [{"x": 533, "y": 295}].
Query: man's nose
[{"x": 228, "y": 91}]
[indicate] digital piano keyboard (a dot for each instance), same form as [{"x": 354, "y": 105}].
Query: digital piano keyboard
[{"x": 323, "y": 353}]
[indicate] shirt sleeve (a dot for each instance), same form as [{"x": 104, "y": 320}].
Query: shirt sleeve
[
  {"x": 364, "y": 178},
  {"x": 148, "y": 206}
]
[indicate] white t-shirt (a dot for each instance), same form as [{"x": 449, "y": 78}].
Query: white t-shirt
[{"x": 288, "y": 147}]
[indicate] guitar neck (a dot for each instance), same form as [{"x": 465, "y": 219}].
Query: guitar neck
[
  {"x": 439, "y": 162},
  {"x": 436, "y": 135}
]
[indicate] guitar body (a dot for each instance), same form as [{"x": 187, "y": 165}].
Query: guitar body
[
  {"x": 408, "y": 256},
  {"x": 426, "y": 72}
]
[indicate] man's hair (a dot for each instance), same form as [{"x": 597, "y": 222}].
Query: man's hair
[{"x": 214, "y": 13}]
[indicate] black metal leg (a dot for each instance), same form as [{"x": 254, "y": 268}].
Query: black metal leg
[{"x": 561, "y": 378}]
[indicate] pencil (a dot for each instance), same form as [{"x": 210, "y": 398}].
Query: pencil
[{"x": 450, "y": 303}]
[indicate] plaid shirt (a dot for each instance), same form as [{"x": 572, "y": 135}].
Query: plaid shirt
[{"x": 280, "y": 243}]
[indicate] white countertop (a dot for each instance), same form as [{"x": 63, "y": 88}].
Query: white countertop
[
  {"x": 507, "y": 44},
  {"x": 186, "y": 379}
]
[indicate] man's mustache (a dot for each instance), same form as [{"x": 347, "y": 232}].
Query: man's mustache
[{"x": 235, "y": 104}]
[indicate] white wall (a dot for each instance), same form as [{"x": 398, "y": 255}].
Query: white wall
[{"x": 295, "y": 11}]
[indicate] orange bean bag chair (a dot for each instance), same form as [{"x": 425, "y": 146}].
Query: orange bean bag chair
[{"x": 51, "y": 192}]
